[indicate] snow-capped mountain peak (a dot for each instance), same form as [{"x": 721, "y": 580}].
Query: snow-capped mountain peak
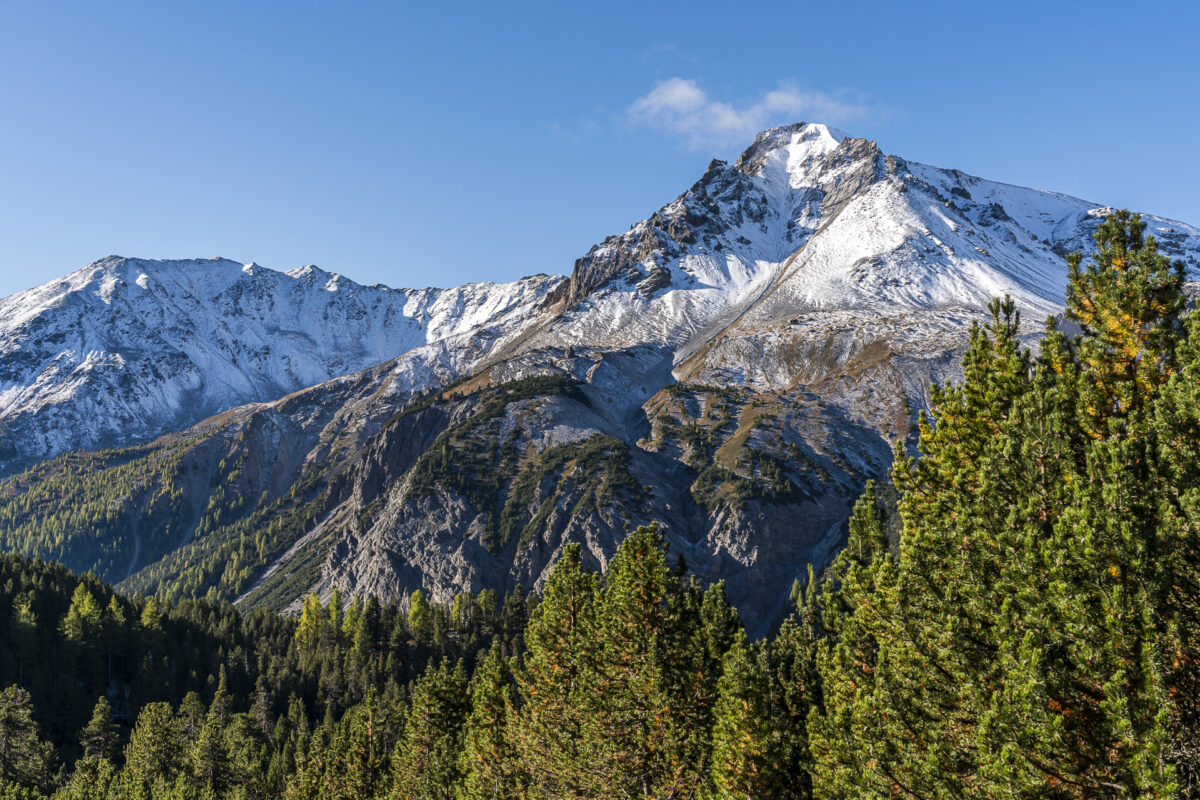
[
  {"x": 125, "y": 349},
  {"x": 792, "y": 149},
  {"x": 808, "y": 219}
]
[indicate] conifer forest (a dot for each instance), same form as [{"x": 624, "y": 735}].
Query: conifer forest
[{"x": 1015, "y": 614}]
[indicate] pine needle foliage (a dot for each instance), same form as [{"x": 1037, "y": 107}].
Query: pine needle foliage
[{"x": 1035, "y": 634}]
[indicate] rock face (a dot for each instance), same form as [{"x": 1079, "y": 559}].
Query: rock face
[{"x": 734, "y": 367}]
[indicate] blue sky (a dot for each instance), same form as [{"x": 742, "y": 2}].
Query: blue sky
[{"x": 417, "y": 144}]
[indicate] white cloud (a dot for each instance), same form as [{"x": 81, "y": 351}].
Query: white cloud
[{"x": 678, "y": 107}]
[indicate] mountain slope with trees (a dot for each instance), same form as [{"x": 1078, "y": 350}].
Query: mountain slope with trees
[
  {"x": 745, "y": 357},
  {"x": 1015, "y": 615}
]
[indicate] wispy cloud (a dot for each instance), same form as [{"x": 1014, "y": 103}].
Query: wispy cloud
[{"x": 678, "y": 107}]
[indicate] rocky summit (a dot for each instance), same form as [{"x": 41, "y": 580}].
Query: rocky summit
[{"x": 734, "y": 367}]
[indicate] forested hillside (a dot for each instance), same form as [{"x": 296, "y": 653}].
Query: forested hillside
[
  {"x": 1016, "y": 614},
  {"x": 735, "y": 366}
]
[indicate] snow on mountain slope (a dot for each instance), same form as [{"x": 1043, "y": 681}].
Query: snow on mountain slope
[
  {"x": 126, "y": 349},
  {"x": 811, "y": 221},
  {"x": 807, "y": 221},
  {"x": 734, "y": 366}
]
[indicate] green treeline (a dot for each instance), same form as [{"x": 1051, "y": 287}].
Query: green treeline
[
  {"x": 71, "y": 648},
  {"x": 1016, "y": 616}
]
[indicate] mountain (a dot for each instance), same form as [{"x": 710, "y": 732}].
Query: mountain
[
  {"x": 735, "y": 366},
  {"x": 125, "y": 349}
]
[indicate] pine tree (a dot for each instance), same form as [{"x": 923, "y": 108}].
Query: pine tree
[
  {"x": 790, "y": 664},
  {"x": 210, "y": 762},
  {"x": 626, "y": 691},
  {"x": 1105, "y": 562},
  {"x": 190, "y": 719},
  {"x": 210, "y": 759},
  {"x": 720, "y": 627},
  {"x": 549, "y": 733},
  {"x": 249, "y": 749},
  {"x": 308, "y": 780},
  {"x": 92, "y": 780},
  {"x": 1128, "y": 299},
  {"x": 425, "y": 764},
  {"x": 154, "y": 754},
  {"x": 639, "y": 690},
  {"x": 488, "y": 762},
  {"x": 261, "y": 708},
  {"x": 1013, "y": 649},
  {"x": 98, "y": 739},
  {"x": 25, "y": 760},
  {"x": 910, "y": 668},
  {"x": 849, "y": 730},
  {"x": 1177, "y": 423},
  {"x": 366, "y": 755},
  {"x": 514, "y": 616},
  {"x": 747, "y": 761},
  {"x": 703, "y": 626}
]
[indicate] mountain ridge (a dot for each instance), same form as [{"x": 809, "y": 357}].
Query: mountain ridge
[
  {"x": 744, "y": 358},
  {"x": 158, "y": 345}
]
